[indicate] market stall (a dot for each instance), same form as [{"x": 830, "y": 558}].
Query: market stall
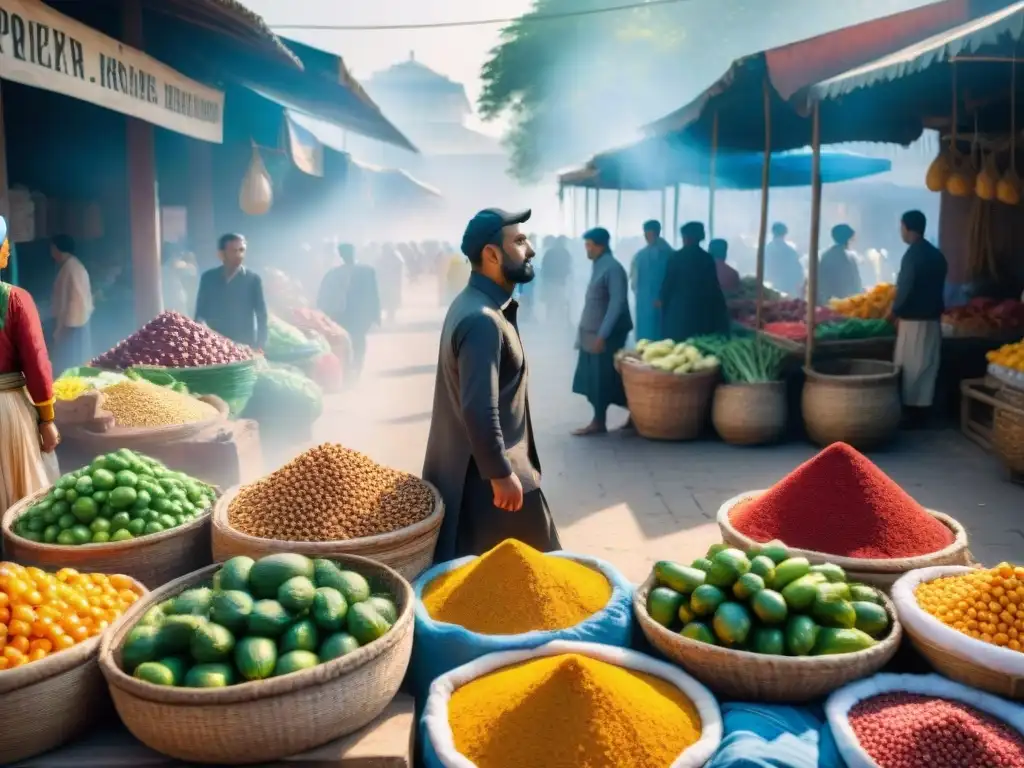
[{"x": 313, "y": 648}]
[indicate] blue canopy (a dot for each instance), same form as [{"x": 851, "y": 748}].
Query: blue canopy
[{"x": 660, "y": 162}]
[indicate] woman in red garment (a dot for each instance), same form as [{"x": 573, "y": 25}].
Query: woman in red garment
[{"x": 28, "y": 435}]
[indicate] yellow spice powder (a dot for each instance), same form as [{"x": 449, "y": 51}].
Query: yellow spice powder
[
  {"x": 515, "y": 589},
  {"x": 571, "y": 711}
]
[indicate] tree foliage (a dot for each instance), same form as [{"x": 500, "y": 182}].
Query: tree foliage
[{"x": 574, "y": 86}]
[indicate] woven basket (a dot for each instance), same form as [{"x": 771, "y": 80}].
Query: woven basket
[
  {"x": 50, "y": 702},
  {"x": 233, "y": 382},
  {"x": 410, "y": 551},
  {"x": 759, "y": 677},
  {"x": 266, "y": 720},
  {"x": 151, "y": 560},
  {"x": 962, "y": 667},
  {"x": 852, "y": 401},
  {"x": 880, "y": 573},
  {"x": 750, "y": 414},
  {"x": 1008, "y": 427},
  {"x": 667, "y": 406}
]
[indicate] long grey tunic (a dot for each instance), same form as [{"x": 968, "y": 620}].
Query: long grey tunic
[{"x": 481, "y": 411}]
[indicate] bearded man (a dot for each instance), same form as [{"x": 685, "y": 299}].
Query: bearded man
[{"x": 481, "y": 453}]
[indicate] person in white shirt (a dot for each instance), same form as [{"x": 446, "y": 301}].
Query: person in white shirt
[{"x": 72, "y": 307}]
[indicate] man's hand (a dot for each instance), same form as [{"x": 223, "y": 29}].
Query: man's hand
[
  {"x": 598, "y": 346},
  {"x": 49, "y": 437},
  {"x": 508, "y": 493}
]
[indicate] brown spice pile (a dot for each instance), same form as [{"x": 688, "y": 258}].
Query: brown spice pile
[{"x": 330, "y": 493}]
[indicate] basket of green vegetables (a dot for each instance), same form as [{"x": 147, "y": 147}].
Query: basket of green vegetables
[{"x": 750, "y": 406}]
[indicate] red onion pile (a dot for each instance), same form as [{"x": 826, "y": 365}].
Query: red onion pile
[
  {"x": 172, "y": 340},
  {"x": 903, "y": 730}
]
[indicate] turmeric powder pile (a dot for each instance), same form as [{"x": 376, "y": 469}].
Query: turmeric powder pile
[
  {"x": 515, "y": 589},
  {"x": 570, "y": 711}
]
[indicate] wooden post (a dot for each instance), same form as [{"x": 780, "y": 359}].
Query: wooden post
[
  {"x": 711, "y": 177},
  {"x": 575, "y": 206},
  {"x": 202, "y": 232},
  {"x": 143, "y": 207},
  {"x": 664, "y": 205},
  {"x": 765, "y": 184},
  {"x": 675, "y": 216},
  {"x": 812, "y": 258},
  {"x": 586, "y": 209},
  {"x": 618, "y": 213},
  {"x": 597, "y": 206}
]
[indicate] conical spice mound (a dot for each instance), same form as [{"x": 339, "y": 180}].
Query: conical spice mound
[
  {"x": 513, "y": 589},
  {"x": 840, "y": 503},
  {"x": 570, "y": 711}
]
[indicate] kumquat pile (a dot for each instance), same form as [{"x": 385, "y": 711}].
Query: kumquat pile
[
  {"x": 986, "y": 604},
  {"x": 43, "y": 613}
]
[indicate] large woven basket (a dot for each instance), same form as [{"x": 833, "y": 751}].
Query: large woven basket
[
  {"x": 1008, "y": 427},
  {"x": 50, "y": 702},
  {"x": 410, "y": 551},
  {"x": 931, "y": 638},
  {"x": 266, "y": 720},
  {"x": 880, "y": 573},
  {"x": 151, "y": 560},
  {"x": 852, "y": 401},
  {"x": 667, "y": 406},
  {"x": 750, "y": 414},
  {"x": 760, "y": 677}
]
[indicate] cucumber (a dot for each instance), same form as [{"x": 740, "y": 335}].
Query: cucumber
[
  {"x": 680, "y": 578},
  {"x": 830, "y": 571},
  {"x": 801, "y": 634},
  {"x": 705, "y": 600},
  {"x": 871, "y": 618},
  {"x": 764, "y": 567},
  {"x": 770, "y": 607},
  {"x": 776, "y": 551},
  {"x": 663, "y": 604},
  {"x": 726, "y": 567},
  {"x": 831, "y": 610},
  {"x": 790, "y": 570},
  {"x": 768, "y": 640},
  {"x": 864, "y": 593},
  {"x": 748, "y": 585},
  {"x": 732, "y": 624},
  {"x": 701, "y": 564},
  {"x": 699, "y": 631},
  {"x": 685, "y": 615},
  {"x": 800, "y": 594},
  {"x": 831, "y": 641}
]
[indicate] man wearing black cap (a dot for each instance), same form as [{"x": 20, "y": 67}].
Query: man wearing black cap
[
  {"x": 480, "y": 452},
  {"x": 692, "y": 300},
  {"x": 604, "y": 325}
]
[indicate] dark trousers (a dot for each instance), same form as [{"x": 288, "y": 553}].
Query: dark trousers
[{"x": 482, "y": 526}]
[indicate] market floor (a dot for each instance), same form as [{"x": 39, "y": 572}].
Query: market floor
[{"x": 629, "y": 500}]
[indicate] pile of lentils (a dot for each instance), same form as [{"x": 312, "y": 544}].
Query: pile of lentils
[
  {"x": 904, "y": 730},
  {"x": 172, "y": 340},
  {"x": 142, "y": 404},
  {"x": 330, "y": 493}
]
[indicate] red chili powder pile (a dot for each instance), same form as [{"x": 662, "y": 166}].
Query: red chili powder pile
[
  {"x": 840, "y": 503},
  {"x": 903, "y": 730}
]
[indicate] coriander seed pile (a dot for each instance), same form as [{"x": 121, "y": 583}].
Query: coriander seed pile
[
  {"x": 144, "y": 404},
  {"x": 330, "y": 493}
]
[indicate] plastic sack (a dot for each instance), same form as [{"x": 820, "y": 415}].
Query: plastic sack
[
  {"x": 441, "y": 647},
  {"x": 774, "y": 736},
  {"x": 919, "y": 621},
  {"x": 256, "y": 194},
  {"x": 839, "y": 704},
  {"x": 436, "y": 734}
]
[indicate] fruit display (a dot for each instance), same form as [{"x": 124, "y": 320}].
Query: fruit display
[
  {"x": 671, "y": 357},
  {"x": 118, "y": 497},
  {"x": 44, "y": 613},
  {"x": 984, "y": 317},
  {"x": 874, "y": 304},
  {"x": 748, "y": 291},
  {"x": 855, "y": 328},
  {"x": 982, "y": 604},
  {"x": 782, "y": 311},
  {"x": 1008, "y": 356},
  {"x": 330, "y": 493},
  {"x": 285, "y": 342},
  {"x": 280, "y": 614},
  {"x": 765, "y": 601},
  {"x": 748, "y": 360},
  {"x": 172, "y": 340}
]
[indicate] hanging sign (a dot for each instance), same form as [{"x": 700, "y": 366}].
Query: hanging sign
[{"x": 46, "y": 49}]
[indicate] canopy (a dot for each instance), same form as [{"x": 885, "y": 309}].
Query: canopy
[
  {"x": 658, "y": 163},
  {"x": 737, "y": 97}
]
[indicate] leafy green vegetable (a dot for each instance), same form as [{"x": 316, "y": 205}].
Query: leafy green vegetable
[{"x": 748, "y": 360}]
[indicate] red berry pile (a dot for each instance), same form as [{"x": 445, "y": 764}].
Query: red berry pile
[{"x": 903, "y": 730}]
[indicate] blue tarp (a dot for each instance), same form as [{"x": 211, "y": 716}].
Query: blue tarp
[{"x": 659, "y": 162}]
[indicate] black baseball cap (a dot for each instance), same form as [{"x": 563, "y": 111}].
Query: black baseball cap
[{"x": 483, "y": 227}]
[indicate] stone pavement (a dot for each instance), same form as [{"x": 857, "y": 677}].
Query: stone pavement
[{"x": 629, "y": 500}]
